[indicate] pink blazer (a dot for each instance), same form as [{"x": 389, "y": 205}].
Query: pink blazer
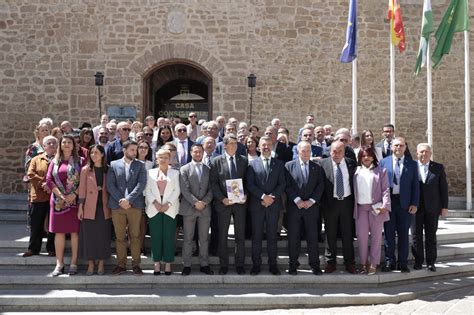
[
  {"x": 380, "y": 191},
  {"x": 88, "y": 194}
]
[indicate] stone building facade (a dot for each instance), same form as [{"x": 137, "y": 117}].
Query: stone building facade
[{"x": 50, "y": 50}]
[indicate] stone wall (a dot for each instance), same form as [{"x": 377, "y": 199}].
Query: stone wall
[{"x": 50, "y": 49}]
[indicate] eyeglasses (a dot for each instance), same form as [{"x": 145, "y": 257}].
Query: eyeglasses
[
  {"x": 181, "y": 130},
  {"x": 126, "y": 129},
  {"x": 50, "y": 143},
  {"x": 148, "y": 134},
  {"x": 343, "y": 140},
  {"x": 192, "y": 116}
]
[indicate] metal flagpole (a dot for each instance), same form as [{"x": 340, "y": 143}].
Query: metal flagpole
[
  {"x": 392, "y": 82},
  {"x": 467, "y": 96},
  {"x": 429, "y": 97},
  {"x": 354, "y": 96}
]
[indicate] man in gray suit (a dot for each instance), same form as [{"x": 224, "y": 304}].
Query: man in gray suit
[
  {"x": 229, "y": 166},
  {"x": 126, "y": 180},
  {"x": 195, "y": 207}
]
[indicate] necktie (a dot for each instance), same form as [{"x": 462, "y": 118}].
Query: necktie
[
  {"x": 198, "y": 170},
  {"x": 425, "y": 170},
  {"x": 208, "y": 161},
  {"x": 389, "y": 148},
  {"x": 396, "y": 177},
  {"x": 339, "y": 182},
  {"x": 267, "y": 168},
  {"x": 305, "y": 172},
  {"x": 182, "y": 155},
  {"x": 233, "y": 169}
]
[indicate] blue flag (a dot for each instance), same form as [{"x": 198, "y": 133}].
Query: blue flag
[{"x": 349, "y": 52}]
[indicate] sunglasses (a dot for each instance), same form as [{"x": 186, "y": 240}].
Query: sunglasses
[
  {"x": 126, "y": 129},
  {"x": 181, "y": 130},
  {"x": 148, "y": 134},
  {"x": 192, "y": 116}
]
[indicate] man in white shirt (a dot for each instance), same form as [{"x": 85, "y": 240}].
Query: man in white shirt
[
  {"x": 183, "y": 144},
  {"x": 103, "y": 123}
]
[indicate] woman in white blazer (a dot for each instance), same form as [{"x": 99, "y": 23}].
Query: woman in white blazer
[{"x": 162, "y": 205}]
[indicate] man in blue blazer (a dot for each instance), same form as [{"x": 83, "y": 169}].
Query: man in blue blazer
[
  {"x": 126, "y": 180},
  {"x": 265, "y": 183},
  {"x": 308, "y": 135},
  {"x": 404, "y": 194},
  {"x": 304, "y": 188},
  {"x": 230, "y": 129}
]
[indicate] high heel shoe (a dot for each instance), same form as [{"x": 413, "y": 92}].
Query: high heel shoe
[
  {"x": 156, "y": 272},
  {"x": 72, "y": 270},
  {"x": 58, "y": 270},
  {"x": 169, "y": 272}
]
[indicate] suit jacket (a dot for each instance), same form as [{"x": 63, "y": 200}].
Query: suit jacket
[
  {"x": 315, "y": 151},
  {"x": 258, "y": 183},
  {"x": 434, "y": 192},
  {"x": 193, "y": 190},
  {"x": 282, "y": 152},
  {"x": 241, "y": 150},
  {"x": 384, "y": 152},
  {"x": 409, "y": 186},
  {"x": 295, "y": 186},
  {"x": 117, "y": 184},
  {"x": 326, "y": 164},
  {"x": 171, "y": 193},
  {"x": 188, "y": 156},
  {"x": 220, "y": 173},
  {"x": 380, "y": 192},
  {"x": 88, "y": 193}
]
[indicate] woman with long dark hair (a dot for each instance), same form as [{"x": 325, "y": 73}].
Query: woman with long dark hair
[
  {"x": 165, "y": 134},
  {"x": 94, "y": 214},
  {"x": 86, "y": 138}
]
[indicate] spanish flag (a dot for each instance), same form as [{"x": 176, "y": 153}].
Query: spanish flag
[{"x": 396, "y": 24}]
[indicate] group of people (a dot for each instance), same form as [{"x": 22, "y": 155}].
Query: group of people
[{"x": 130, "y": 177}]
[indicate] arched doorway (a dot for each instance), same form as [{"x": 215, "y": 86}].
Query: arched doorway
[{"x": 176, "y": 88}]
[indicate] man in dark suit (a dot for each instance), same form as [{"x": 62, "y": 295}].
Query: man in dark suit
[
  {"x": 404, "y": 194},
  {"x": 195, "y": 208},
  {"x": 229, "y": 166},
  {"x": 339, "y": 205},
  {"x": 344, "y": 135},
  {"x": 433, "y": 203},
  {"x": 126, "y": 180},
  {"x": 183, "y": 144},
  {"x": 280, "y": 150},
  {"x": 388, "y": 133},
  {"x": 265, "y": 183},
  {"x": 321, "y": 141},
  {"x": 230, "y": 129},
  {"x": 304, "y": 188}
]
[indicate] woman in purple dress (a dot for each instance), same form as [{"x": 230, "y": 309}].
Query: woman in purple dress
[{"x": 63, "y": 180}]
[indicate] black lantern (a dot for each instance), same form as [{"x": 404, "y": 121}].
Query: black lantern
[
  {"x": 99, "y": 81},
  {"x": 252, "y": 83}
]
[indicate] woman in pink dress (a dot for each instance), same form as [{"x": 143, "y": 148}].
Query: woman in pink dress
[{"x": 63, "y": 180}]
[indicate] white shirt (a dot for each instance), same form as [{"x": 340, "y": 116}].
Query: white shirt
[
  {"x": 396, "y": 187},
  {"x": 421, "y": 170},
  {"x": 179, "y": 149},
  {"x": 365, "y": 180},
  {"x": 345, "y": 178}
]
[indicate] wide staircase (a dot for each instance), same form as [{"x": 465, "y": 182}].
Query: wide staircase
[{"x": 26, "y": 283}]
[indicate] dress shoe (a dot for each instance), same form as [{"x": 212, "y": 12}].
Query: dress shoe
[
  {"x": 156, "y": 273},
  {"x": 274, "y": 270},
  {"x": 58, "y": 270},
  {"x": 351, "y": 268},
  {"x": 432, "y": 268},
  {"x": 168, "y": 273},
  {"x": 28, "y": 253},
  {"x": 223, "y": 270},
  {"x": 404, "y": 268},
  {"x": 240, "y": 270},
  {"x": 292, "y": 271},
  {"x": 118, "y": 270},
  {"x": 186, "y": 271},
  {"x": 206, "y": 270},
  {"x": 417, "y": 266},
  {"x": 137, "y": 270},
  {"x": 316, "y": 271},
  {"x": 255, "y": 271},
  {"x": 330, "y": 268},
  {"x": 388, "y": 267}
]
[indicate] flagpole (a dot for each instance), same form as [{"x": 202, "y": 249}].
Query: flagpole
[
  {"x": 467, "y": 85},
  {"x": 392, "y": 82},
  {"x": 429, "y": 97},
  {"x": 354, "y": 96}
]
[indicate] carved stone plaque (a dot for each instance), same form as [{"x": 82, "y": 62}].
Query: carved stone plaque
[{"x": 176, "y": 21}]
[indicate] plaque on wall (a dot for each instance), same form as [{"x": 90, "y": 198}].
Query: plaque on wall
[
  {"x": 182, "y": 109},
  {"x": 122, "y": 112},
  {"x": 176, "y": 22}
]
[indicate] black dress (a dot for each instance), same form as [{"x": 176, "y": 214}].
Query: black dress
[{"x": 94, "y": 236}]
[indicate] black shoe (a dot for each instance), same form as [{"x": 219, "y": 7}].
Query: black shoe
[
  {"x": 223, "y": 270},
  {"x": 404, "y": 268},
  {"x": 156, "y": 273},
  {"x": 388, "y": 267},
  {"x": 317, "y": 271},
  {"x": 432, "y": 268},
  {"x": 240, "y": 270},
  {"x": 207, "y": 270},
  {"x": 186, "y": 271},
  {"x": 168, "y": 273},
  {"x": 417, "y": 266},
  {"x": 292, "y": 271},
  {"x": 274, "y": 270},
  {"x": 255, "y": 271}
]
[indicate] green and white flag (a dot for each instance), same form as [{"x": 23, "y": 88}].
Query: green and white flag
[{"x": 426, "y": 30}]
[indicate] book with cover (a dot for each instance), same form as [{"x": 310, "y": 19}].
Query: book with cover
[{"x": 235, "y": 190}]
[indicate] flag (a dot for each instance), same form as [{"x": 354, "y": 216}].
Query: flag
[
  {"x": 396, "y": 24},
  {"x": 426, "y": 30},
  {"x": 349, "y": 51},
  {"x": 455, "y": 19}
]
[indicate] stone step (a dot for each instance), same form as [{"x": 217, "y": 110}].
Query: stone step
[{"x": 223, "y": 292}]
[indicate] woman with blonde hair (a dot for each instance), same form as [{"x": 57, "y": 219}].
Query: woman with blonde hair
[{"x": 162, "y": 204}]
